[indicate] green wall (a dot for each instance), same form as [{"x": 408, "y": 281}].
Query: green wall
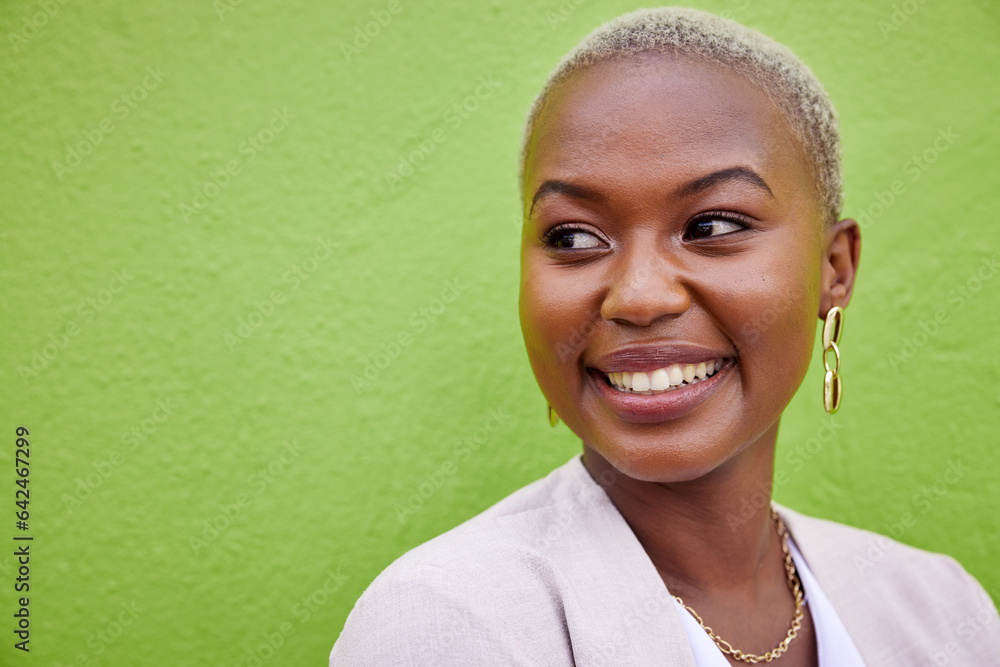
[{"x": 260, "y": 293}]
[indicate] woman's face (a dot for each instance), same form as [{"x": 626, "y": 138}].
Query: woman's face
[{"x": 672, "y": 227}]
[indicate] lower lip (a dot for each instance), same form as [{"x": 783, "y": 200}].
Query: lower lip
[{"x": 654, "y": 408}]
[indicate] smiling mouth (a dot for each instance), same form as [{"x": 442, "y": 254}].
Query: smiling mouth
[{"x": 663, "y": 380}]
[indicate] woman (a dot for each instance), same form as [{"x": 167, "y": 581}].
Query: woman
[{"x": 681, "y": 187}]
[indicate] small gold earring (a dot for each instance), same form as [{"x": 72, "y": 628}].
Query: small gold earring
[
  {"x": 553, "y": 417},
  {"x": 833, "y": 327}
]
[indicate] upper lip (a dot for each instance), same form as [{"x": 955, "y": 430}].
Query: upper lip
[{"x": 651, "y": 356}]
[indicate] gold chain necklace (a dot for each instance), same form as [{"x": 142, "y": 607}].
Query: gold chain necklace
[{"x": 793, "y": 583}]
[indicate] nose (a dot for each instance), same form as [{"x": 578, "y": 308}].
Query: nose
[{"x": 645, "y": 285}]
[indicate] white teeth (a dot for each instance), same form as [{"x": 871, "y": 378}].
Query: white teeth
[
  {"x": 664, "y": 379},
  {"x": 658, "y": 380},
  {"x": 688, "y": 373},
  {"x": 640, "y": 382}
]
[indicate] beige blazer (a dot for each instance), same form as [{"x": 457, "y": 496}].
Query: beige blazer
[{"x": 553, "y": 575}]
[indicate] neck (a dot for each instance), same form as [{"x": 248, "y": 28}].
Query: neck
[{"x": 709, "y": 534}]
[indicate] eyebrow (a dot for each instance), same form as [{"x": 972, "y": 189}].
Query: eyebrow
[
  {"x": 689, "y": 189},
  {"x": 722, "y": 176},
  {"x": 553, "y": 186}
]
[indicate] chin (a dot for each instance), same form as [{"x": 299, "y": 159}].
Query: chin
[{"x": 660, "y": 459}]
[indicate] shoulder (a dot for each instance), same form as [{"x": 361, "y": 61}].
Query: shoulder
[
  {"x": 518, "y": 531},
  {"x": 475, "y": 594},
  {"x": 881, "y": 586},
  {"x": 864, "y": 554}
]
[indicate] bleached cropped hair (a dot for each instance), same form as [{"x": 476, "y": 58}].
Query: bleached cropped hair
[{"x": 787, "y": 81}]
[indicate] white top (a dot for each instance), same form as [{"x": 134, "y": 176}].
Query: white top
[
  {"x": 833, "y": 644},
  {"x": 553, "y": 575}
]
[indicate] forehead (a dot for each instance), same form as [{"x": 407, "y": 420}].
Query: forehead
[{"x": 659, "y": 118}]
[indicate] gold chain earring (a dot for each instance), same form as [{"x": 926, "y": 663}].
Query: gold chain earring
[
  {"x": 553, "y": 417},
  {"x": 832, "y": 329}
]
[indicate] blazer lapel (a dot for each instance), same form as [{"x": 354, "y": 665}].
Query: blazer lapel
[
  {"x": 830, "y": 554},
  {"x": 619, "y": 588}
]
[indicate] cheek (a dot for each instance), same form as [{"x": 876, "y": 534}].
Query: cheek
[
  {"x": 775, "y": 325},
  {"x": 556, "y": 322}
]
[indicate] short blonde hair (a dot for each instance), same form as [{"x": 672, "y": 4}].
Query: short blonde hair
[{"x": 787, "y": 81}]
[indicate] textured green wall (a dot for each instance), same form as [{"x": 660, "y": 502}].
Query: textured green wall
[{"x": 259, "y": 301}]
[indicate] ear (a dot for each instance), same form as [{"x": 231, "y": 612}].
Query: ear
[{"x": 841, "y": 257}]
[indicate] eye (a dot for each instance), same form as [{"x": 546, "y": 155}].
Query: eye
[
  {"x": 717, "y": 224},
  {"x": 571, "y": 238}
]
